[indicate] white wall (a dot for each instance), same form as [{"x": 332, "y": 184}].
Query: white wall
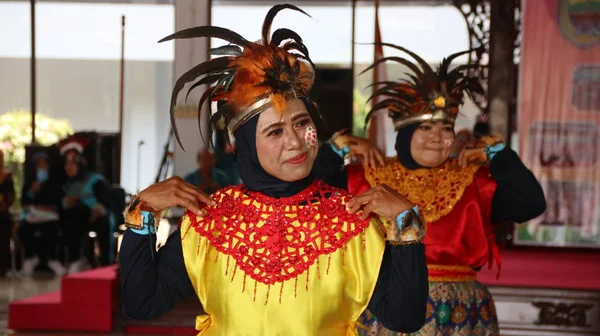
[{"x": 78, "y": 48}]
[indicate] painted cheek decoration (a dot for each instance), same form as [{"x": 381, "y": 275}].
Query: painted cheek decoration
[
  {"x": 310, "y": 136},
  {"x": 448, "y": 142}
]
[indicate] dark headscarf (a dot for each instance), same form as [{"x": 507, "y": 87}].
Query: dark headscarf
[
  {"x": 403, "y": 139},
  {"x": 253, "y": 176},
  {"x": 81, "y": 166}
]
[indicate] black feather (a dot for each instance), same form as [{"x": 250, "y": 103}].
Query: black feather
[
  {"x": 387, "y": 102},
  {"x": 206, "y": 80},
  {"x": 381, "y": 83},
  {"x": 229, "y": 81},
  {"x": 445, "y": 65},
  {"x": 403, "y": 96},
  {"x": 266, "y": 28},
  {"x": 400, "y": 60},
  {"x": 283, "y": 34},
  {"x": 210, "y": 31},
  {"x": 429, "y": 74},
  {"x": 289, "y": 46},
  {"x": 230, "y": 50},
  {"x": 191, "y": 75},
  {"x": 205, "y": 96}
]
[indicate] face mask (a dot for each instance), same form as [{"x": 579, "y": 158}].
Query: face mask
[{"x": 42, "y": 175}]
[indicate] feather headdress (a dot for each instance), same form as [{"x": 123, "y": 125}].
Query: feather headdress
[
  {"x": 249, "y": 77},
  {"x": 429, "y": 95}
]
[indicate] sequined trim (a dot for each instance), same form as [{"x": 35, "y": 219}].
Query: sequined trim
[{"x": 435, "y": 190}]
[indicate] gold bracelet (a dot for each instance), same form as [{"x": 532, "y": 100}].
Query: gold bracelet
[
  {"x": 412, "y": 231},
  {"x": 340, "y": 139},
  {"x": 132, "y": 214}
]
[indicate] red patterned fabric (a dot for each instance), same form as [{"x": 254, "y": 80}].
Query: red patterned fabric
[{"x": 273, "y": 240}]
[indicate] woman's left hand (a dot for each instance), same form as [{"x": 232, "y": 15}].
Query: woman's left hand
[
  {"x": 370, "y": 155},
  {"x": 381, "y": 200},
  {"x": 471, "y": 154},
  {"x": 475, "y": 151}
]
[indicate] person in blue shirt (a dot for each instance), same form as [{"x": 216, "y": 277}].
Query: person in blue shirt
[
  {"x": 207, "y": 177},
  {"x": 85, "y": 207},
  {"x": 225, "y": 161},
  {"x": 39, "y": 222}
]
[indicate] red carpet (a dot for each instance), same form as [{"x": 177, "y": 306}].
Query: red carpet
[
  {"x": 546, "y": 269},
  {"x": 159, "y": 330},
  {"x": 85, "y": 302}
]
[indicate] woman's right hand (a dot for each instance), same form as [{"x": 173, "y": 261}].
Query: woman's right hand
[{"x": 173, "y": 191}]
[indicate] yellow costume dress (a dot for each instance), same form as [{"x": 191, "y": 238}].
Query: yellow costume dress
[{"x": 292, "y": 266}]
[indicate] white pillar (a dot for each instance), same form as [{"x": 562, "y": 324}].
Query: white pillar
[{"x": 189, "y": 53}]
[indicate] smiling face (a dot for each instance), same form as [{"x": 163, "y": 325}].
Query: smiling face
[
  {"x": 431, "y": 143},
  {"x": 286, "y": 143},
  {"x": 71, "y": 163}
]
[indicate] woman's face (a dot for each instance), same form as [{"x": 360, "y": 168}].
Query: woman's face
[
  {"x": 71, "y": 166},
  {"x": 286, "y": 143},
  {"x": 42, "y": 164},
  {"x": 431, "y": 143}
]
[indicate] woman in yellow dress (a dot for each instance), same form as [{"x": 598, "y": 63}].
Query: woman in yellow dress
[{"x": 283, "y": 253}]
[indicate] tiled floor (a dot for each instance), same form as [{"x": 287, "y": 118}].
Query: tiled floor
[{"x": 13, "y": 288}]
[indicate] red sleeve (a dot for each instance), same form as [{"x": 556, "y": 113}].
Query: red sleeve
[
  {"x": 486, "y": 187},
  {"x": 357, "y": 182}
]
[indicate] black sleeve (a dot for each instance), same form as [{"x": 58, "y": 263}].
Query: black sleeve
[
  {"x": 100, "y": 190},
  {"x": 50, "y": 194},
  {"x": 25, "y": 199},
  {"x": 519, "y": 196},
  {"x": 152, "y": 282},
  {"x": 400, "y": 297},
  {"x": 329, "y": 167},
  {"x": 10, "y": 190}
]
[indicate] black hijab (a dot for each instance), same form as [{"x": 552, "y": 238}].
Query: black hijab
[
  {"x": 81, "y": 166},
  {"x": 253, "y": 176},
  {"x": 403, "y": 139}
]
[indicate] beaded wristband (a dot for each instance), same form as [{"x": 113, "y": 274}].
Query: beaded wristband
[
  {"x": 148, "y": 224},
  {"x": 492, "y": 150}
]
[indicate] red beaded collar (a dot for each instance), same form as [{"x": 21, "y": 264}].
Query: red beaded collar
[{"x": 274, "y": 240}]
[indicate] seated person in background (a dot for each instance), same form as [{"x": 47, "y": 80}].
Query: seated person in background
[
  {"x": 39, "y": 220},
  {"x": 7, "y": 196},
  {"x": 84, "y": 208},
  {"x": 207, "y": 177},
  {"x": 226, "y": 162}
]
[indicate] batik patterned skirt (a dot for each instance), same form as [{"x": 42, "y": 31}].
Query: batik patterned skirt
[{"x": 453, "y": 308}]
